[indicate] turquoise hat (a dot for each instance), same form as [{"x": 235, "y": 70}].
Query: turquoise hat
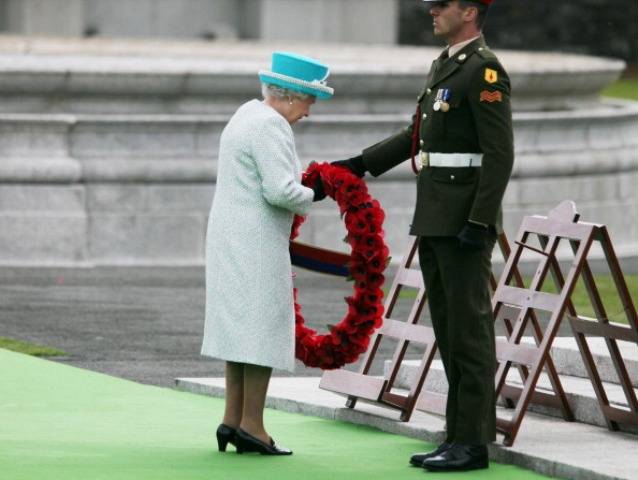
[{"x": 298, "y": 73}]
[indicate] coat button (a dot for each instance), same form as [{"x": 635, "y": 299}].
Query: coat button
[
  {"x": 421, "y": 142},
  {"x": 425, "y": 115},
  {"x": 451, "y": 177},
  {"x": 462, "y": 57},
  {"x": 428, "y": 91}
]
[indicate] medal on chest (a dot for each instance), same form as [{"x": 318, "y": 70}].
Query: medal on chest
[{"x": 441, "y": 102}]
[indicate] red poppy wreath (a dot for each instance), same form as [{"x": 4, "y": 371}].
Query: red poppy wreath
[{"x": 363, "y": 217}]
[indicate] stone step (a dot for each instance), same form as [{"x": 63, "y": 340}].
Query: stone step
[
  {"x": 546, "y": 445},
  {"x": 568, "y": 360},
  {"x": 577, "y": 386},
  {"x": 118, "y": 180},
  {"x": 111, "y": 76},
  {"x": 184, "y": 147}
]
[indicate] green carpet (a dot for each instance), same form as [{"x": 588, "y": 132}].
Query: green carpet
[{"x": 64, "y": 423}]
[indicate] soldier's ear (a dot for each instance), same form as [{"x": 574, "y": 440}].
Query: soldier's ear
[{"x": 470, "y": 14}]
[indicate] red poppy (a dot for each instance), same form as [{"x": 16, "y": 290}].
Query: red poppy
[
  {"x": 356, "y": 223},
  {"x": 363, "y": 218}
]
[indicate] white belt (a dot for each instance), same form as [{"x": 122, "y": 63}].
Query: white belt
[{"x": 456, "y": 160}]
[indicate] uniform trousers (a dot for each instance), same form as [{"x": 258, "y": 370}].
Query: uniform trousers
[{"x": 457, "y": 285}]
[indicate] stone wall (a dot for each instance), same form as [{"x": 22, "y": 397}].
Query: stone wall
[
  {"x": 108, "y": 149},
  {"x": 595, "y": 27},
  {"x": 353, "y": 21}
]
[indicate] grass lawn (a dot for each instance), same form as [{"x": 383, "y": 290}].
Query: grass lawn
[
  {"x": 608, "y": 293},
  {"x": 29, "y": 348},
  {"x": 624, "y": 88}
]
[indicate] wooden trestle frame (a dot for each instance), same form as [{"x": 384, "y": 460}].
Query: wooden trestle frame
[
  {"x": 361, "y": 386},
  {"x": 378, "y": 390},
  {"x": 518, "y": 305},
  {"x": 515, "y": 306}
]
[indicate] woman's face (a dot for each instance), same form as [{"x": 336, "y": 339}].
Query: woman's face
[{"x": 296, "y": 109}]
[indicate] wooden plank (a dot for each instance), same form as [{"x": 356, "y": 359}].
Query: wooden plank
[
  {"x": 410, "y": 331},
  {"x": 519, "y": 353},
  {"x": 353, "y": 384},
  {"x": 544, "y": 226},
  {"x": 538, "y": 397},
  {"x": 527, "y": 298},
  {"x": 431, "y": 402},
  {"x": 620, "y": 415},
  {"x": 595, "y": 328},
  {"x": 410, "y": 278},
  {"x": 504, "y": 426},
  {"x": 508, "y": 313},
  {"x": 394, "y": 400}
]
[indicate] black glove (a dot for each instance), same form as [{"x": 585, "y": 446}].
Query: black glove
[
  {"x": 474, "y": 236},
  {"x": 354, "y": 164},
  {"x": 320, "y": 193}
]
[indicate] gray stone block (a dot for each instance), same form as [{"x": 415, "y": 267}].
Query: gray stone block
[
  {"x": 34, "y": 136},
  {"x": 128, "y": 138},
  {"x": 337, "y": 20},
  {"x": 41, "y": 238},
  {"x": 26, "y": 199},
  {"x": 136, "y": 238},
  {"x": 180, "y": 198},
  {"x": 115, "y": 82},
  {"x": 145, "y": 18},
  {"x": 142, "y": 170},
  {"x": 580, "y": 189},
  {"x": 156, "y": 198},
  {"x": 46, "y": 17},
  {"x": 116, "y": 198}
]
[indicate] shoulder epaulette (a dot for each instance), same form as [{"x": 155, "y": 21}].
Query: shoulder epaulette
[{"x": 485, "y": 52}]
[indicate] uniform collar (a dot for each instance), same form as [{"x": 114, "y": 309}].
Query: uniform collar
[
  {"x": 444, "y": 68},
  {"x": 457, "y": 47}
]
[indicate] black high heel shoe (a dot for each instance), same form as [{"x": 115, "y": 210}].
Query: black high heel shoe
[
  {"x": 247, "y": 443},
  {"x": 225, "y": 435}
]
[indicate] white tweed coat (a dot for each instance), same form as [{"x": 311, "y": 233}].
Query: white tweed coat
[{"x": 249, "y": 303}]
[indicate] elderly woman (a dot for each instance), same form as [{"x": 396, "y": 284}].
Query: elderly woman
[{"x": 249, "y": 303}]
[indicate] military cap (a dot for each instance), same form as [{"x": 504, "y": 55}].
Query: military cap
[{"x": 484, "y": 2}]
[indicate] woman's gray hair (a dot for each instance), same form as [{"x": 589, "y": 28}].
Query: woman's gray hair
[{"x": 275, "y": 91}]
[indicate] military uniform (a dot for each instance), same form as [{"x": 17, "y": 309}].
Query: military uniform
[{"x": 463, "y": 129}]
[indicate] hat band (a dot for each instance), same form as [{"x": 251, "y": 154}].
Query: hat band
[{"x": 315, "y": 84}]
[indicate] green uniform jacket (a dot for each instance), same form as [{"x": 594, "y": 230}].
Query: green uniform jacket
[{"x": 479, "y": 120}]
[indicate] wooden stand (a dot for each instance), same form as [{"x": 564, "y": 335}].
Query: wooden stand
[
  {"x": 516, "y": 306},
  {"x": 379, "y": 390}
]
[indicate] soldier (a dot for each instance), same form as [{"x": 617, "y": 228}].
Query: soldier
[{"x": 463, "y": 129}]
